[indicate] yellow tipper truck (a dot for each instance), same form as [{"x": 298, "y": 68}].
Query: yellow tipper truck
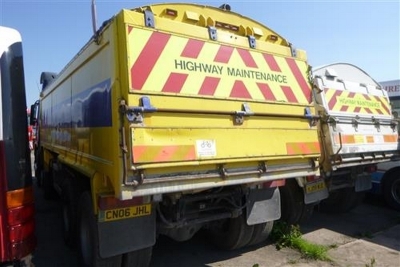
[
  {"x": 175, "y": 118},
  {"x": 357, "y": 131}
]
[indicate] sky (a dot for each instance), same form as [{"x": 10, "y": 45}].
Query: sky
[{"x": 361, "y": 32}]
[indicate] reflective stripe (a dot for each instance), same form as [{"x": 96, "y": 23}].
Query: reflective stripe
[
  {"x": 345, "y": 101},
  {"x": 163, "y": 153},
  {"x": 366, "y": 139},
  {"x": 303, "y": 148},
  {"x": 164, "y": 63}
]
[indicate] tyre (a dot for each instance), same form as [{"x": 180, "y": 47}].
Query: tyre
[
  {"x": 293, "y": 208},
  {"x": 138, "y": 258},
  {"x": 69, "y": 214},
  {"x": 391, "y": 190},
  {"x": 341, "y": 200},
  {"x": 261, "y": 233},
  {"x": 232, "y": 233},
  {"x": 88, "y": 239}
]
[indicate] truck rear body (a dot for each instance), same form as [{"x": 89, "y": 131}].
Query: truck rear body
[
  {"x": 357, "y": 128},
  {"x": 197, "y": 113},
  {"x": 172, "y": 109}
]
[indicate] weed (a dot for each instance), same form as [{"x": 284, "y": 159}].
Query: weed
[
  {"x": 285, "y": 235},
  {"x": 371, "y": 264}
]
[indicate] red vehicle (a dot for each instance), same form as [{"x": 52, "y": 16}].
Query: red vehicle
[
  {"x": 31, "y": 135},
  {"x": 17, "y": 225}
]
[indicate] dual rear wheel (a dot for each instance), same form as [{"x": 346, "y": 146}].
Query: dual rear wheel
[{"x": 235, "y": 233}]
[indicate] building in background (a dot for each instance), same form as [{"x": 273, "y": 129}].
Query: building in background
[{"x": 393, "y": 89}]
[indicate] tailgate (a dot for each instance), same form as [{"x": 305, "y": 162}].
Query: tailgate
[
  {"x": 357, "y": 115},
  {"x": 208, "y": 108}
]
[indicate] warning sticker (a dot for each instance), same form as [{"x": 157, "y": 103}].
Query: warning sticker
[{"x": 206, "y": 148}]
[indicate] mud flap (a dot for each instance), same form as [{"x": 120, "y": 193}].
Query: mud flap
[
  {"x": 315, "y": 191},
  {"x": 363, "y": 182},
  {"x": 263, "y": 205},
  {"x": 122, "y": 236}
]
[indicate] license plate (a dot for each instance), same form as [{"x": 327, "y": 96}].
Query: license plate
[
  {"x": 315, "y": 186},
  {"x": 124, "y": 213}
]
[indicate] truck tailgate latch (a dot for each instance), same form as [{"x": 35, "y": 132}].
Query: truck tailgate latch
[
  {"x": 313, "y": 119},
  {"x": 377, "y": 123},
  {"x": 239, "y": 115},
  {"x": 135, "y": 114},
  {"x": 332, "y": 121},
  {"x": 356, "y": 121}
]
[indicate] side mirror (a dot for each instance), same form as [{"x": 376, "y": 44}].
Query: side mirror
[{"x": 34, "y": 114}]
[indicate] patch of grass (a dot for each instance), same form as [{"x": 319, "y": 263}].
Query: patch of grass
[
  {"x": 371, "y": 264},
  {"x": 285, "y": 235}
]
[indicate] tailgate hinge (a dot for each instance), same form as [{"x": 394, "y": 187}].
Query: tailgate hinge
[
  {"x": 252, "y": 41},
  {"x": 135, "y": 114},
  {"x": 212, "y": 32},
  {"x": 239, "y": 115},
  {"x": 293, "y": 50},
  {"x": 149, "y": 19}
]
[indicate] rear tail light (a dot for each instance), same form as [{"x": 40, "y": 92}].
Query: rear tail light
[
  {"x": 371, "y": 168},
  {"x": 20, "y": 221},
  {"x": 312, "y": 178},
  {"x": 275, "y": 183},
  {"x": 107, "y": 203},
  {"x": 21, "y": 232},
  {"x": 21, "y": 214},
  {"x": 20, "y": 197}
]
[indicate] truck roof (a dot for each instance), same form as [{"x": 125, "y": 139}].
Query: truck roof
[{"x": 345, "y": 72}]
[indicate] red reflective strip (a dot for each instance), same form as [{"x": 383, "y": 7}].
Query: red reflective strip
[
  {"x": 270, "y": 59},
  {"x": 224, "y": 54},
  {"x": 192, "y": 48},
  {"x": 266, "y": 91},
  {"x": 209, "y": 86},
  {"x": 344, "y": 108},
  {"x": 289, "y": 94},
  {"x": 383, "y": 105},
  {"x": 137, "y": 152},
  {"x": 239, "y": 90},
  {"x": 144, "y": 64},
  {"x": 130, "y": 28},
  {"x": 333, "y": 100},
  {"x": 368, "y": 110},
  {"x": 166, "y": 153},
  {"x": 247, "y": 58},
  {"x": 191, "y": 155},
  {"x": 357, "y": 109},
  {"x": 305, "y": 87},
  {"x": 175, "y": 82}
]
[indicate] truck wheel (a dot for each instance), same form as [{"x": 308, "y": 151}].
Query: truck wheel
[
  {"x": 69, "y": 214},
  {"x": 261, "y": 233},
  {"x": 137, "y": 258},
  {"x": 232, "y": 233},
  {"x": 293, "y": 208},
  {"x": 342, "y": 200},
  {"x": 88, "y": 239},
  {"x": 391, "y": 190}
]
